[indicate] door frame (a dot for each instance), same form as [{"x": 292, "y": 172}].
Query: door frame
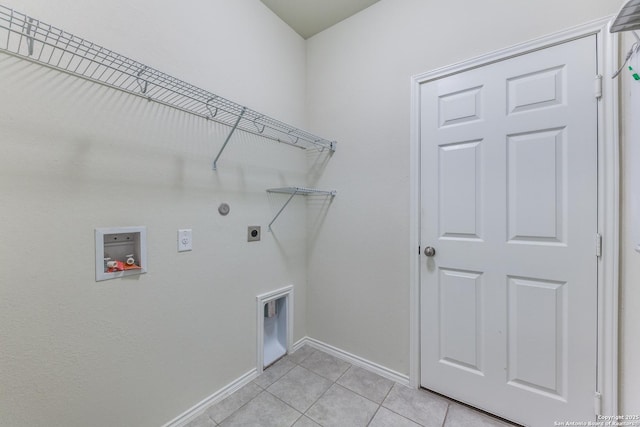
[{"x": 606, "y": 395}]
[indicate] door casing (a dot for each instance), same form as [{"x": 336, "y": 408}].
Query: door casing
[{"x": 608, "y": 199}]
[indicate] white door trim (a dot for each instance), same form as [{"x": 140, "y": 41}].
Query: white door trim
[{"x": 608, "y": 197}]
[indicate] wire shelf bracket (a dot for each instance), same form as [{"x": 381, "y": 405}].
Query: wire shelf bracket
[
  {"x": 293, "y": 191},
  {"x": 226, "y": 141},
  {"x": 28, "y": 38}
]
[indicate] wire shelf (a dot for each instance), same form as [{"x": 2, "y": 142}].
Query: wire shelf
[
  {"x": 302, "y": 191},
  {"x": 36, "y": 41},
  {"x": 293, "y": 191}
]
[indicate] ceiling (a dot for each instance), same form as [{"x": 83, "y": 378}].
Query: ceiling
[{"x": 309, "y": 17}]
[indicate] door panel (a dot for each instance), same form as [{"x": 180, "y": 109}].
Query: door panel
[
  {"x": 509, "y": 201},
  {"x": 540, "y": 89},
  {"x": 536, "y": 183},
  {"x": 460, "y": 107},
  {"x": 537, "y": 342},
  {"x": 459, "y": 192},
  {"x": 461, "y": 319}
]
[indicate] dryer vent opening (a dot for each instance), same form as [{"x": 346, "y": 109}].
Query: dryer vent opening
[{"x": 275, "y": 326}]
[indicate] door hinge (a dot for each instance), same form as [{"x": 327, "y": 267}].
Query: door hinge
[
  {"x": 598, "y": 86},
  {"x": 597, "y": 403},
  {"x": 598, "y": 245}
]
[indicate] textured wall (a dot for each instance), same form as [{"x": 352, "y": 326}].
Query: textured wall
[
  {"x": 359, "y": 75},
  {"x": 76, "y": 156},
  {"x": 630, "y": 240}
]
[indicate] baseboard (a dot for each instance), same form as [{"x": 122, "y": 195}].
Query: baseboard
[
  {"x": 216, "y": 397},
  {"x": 355, "y": 360},
  {"x": 230, "y": 388},
  {"x": 296, "y": 345}
]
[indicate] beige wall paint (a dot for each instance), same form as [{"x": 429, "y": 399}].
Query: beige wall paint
[
  {"x": 76, "y": 156},
  {"x": 359, "y": 90}
]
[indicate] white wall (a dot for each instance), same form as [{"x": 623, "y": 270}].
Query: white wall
[
  {"x": 359, "y": 92},
  {"x": 140, "y": 351},
  {"x": 76, "y": 156},
  {"x": 630, "y": 231}
]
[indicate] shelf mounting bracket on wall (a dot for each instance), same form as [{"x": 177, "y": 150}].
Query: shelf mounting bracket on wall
[
  {"x": 293, "y": 191},
  {"x": 226, "y": 141}
]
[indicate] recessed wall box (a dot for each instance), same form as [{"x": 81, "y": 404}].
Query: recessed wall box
[
  {"x": 275, "y": 326},
  {"x": 253, "y": 233},
  {"x": 120, "y": 252}
]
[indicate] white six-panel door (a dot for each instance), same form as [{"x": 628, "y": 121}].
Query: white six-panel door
[{"x": 509, "y": 203}]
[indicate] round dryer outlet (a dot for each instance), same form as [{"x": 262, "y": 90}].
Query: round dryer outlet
[{"x": 253, "y": 233}]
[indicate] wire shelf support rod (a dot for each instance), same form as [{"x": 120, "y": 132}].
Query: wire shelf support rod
[{"x": 293, "y": 191}]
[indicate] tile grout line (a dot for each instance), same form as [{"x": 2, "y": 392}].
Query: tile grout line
[
  {"x": 374, "y": 415},
  {"x": 332, "y": 383},
  {"x": 302, "y": 414},
  {"x": 403, "y": 416},
  {"x": 262, "y": 389},
  {"x": 319, "y": 397},
  {"x": 446, "y": 414},
  {"x": 380, "y": 405},
  {"x": 242, "y": 406},
  {"x": 388, "y": 393},
  {"x": 347, "y": 388},
  {"x": 365, "y": 397},
  {"x": 278, "y": 379}
]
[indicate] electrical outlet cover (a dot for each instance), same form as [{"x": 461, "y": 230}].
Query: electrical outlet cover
[
  {"x": 185, "y": 241},
  {"x": 253, "y": 233}
]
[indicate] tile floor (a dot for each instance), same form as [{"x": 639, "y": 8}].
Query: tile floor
[{"x": 310, "y": 388}]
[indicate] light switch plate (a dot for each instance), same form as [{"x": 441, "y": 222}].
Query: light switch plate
[{"x": 185, "y": 242}]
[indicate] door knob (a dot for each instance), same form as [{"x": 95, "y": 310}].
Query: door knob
[{"x": 429, "y": 251}]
